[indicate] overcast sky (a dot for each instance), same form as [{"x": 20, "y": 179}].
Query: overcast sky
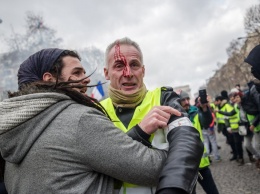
[{"x": 182, "y": 40}]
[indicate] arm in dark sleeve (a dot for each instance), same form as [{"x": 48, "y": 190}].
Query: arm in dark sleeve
[
  {"x": 139, "y": 135},
  {"x": 256, "y": 120},
  {"x": 180, "y": 172},
  {"x": 233, "y": 112},
  {"x": 255, "y": 96},
  {"x": 205, "y": 118},
  {"x": 170, "y": 98}
]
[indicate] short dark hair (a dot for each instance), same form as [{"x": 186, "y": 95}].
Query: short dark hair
[
  {"x": 218, "y": 98},
  {"x": 224, "y": 94}
]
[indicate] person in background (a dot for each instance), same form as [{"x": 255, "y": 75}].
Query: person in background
[
  {"x": 209, "y": 136},
  {"x": 212, "y": 108},
  {"x": 223, "y": 123},
  {"x": 213, "y": 127},
  {"x": 244, "y": 120},
  {"x": 253, "y": 59},
  {"x": 232, "y": 123},
  {"x": 134, "y": 108},
  {"x": 233, "y": 103},
  {"x": 238, "y": 87},
  {"x": 201, "y": 119},
  {"x": 56, "y": 139}
]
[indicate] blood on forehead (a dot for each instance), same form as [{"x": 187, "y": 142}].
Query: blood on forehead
[{"x": 118, "y": 56}]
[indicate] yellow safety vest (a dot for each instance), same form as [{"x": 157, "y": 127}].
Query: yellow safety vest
[
  {"x": 152, "y": 98},
  {"x": 233, "y": 120},
  {"x": 205, "y": 159},
  {"x": 212, "y": 105},
  {"x": 219, "y": 117}
]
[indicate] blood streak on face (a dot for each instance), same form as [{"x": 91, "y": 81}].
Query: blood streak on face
[{"x": 118, "y": 56}]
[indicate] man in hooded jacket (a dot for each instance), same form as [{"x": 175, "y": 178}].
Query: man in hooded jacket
[{"x": 253, "y": 59}]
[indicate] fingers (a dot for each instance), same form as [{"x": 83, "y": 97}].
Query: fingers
[
  {"x": 199, "y": 100},
  {"x": 157, "y": 117},
  {"x": 169, "y": 110}
]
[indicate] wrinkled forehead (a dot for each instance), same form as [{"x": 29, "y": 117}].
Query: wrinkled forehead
[{"x": 123, "y": 50}]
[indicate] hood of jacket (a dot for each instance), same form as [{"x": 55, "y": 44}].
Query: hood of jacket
[
  {"x": 253, "y": 57},
  {"x": 19, "y": 117},
  {"x": 192, "y": 112}
]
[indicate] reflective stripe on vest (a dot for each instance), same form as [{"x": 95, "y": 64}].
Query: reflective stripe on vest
[
  {"x": 205, "y": 159},
  {"x": 158, "y": 140}
]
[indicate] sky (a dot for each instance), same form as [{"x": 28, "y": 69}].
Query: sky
[{"x": 182, "y": 40}]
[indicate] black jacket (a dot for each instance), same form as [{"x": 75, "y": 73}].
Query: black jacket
[
  {"x": 255, "y": 97},
  {"x": 180, "y": 173}
]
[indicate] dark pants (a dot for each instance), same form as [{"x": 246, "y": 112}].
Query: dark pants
[
  {"x": 207, "y": 183},
  {"x": 230, "y": 138},
  {"x": 238, "y": 139},
  {"x": 232, "y": 144},
  {"x": 249, "y": 153}
]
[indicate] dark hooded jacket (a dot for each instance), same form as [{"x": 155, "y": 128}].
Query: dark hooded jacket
[{"x": 253, "y": 59}]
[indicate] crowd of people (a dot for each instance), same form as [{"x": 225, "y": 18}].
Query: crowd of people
[
  {"x": 56, "y": 139},
  {"x": 238, "y": 125},
  {"x": 237, "y": 115}
]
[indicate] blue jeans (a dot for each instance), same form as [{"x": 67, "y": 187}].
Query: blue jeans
[
  {"x": 209, "y": 137},
  {"x": 207, "y": 183}
]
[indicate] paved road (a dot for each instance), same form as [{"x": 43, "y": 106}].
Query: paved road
[{"x": 231, "y": 178}]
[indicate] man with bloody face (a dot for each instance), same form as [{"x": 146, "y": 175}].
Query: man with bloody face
[
  {"x": 56, "y": 139},
  {"x": 136, "y": 110}
]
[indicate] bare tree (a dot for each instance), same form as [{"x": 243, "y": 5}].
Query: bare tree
[
  {"x": 37, "y": 36},
  {"x": 234, "y": 47},
  {"x": 235, "y": 71},
  {"x": 252, "y": 19}
]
